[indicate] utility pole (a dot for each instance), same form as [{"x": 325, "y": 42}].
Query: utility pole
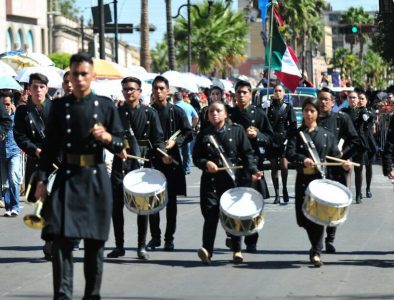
[
  {"x": 101, "y": 28},
  {"x": 116, "y": 31},
  {"x": 82, "y": 35}
]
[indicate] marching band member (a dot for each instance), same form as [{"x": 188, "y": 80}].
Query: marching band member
[
  {"x": 29, "y": 133},
  {"x": 172, "y": 118},
  {"x": 341, "y": 126},
  {"x": 259, "y": 131},
  {"x": 235, "y": 145},
  {"x": 359, "y": 118},
  {"x": 297, "y": 151},
  {"x": 284, "y": 123},
  {"x": 141, "y": 129},
  {"x": 80, "y": 205}
]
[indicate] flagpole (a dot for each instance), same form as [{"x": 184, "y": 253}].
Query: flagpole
[{"x": 270, "y": 46}]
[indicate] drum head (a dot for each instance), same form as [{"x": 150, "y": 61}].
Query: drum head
[
  {"x": 330, "y": 192},
  {"x": 241, "y": 203},
  {"x": 144, "y": 181}
]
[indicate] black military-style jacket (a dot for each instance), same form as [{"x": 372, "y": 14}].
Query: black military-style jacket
[
  {"x": 173, "y": 118},
  {"x": 5, "y": 122},
  {"x": 80, "y": 204},
  {"x": 388, "y": 153},
  {"x": 359, "y": 117},
  {"x": 256, "y": 117},
  {"x": 29, "y": 126},
  {"x": 283, "y": 121},
  {"x": 341, "y": 126},
  {"x": 143, "y": 131}
]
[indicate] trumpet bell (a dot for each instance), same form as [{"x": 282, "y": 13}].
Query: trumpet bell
[{"x": 34, "y": 221}]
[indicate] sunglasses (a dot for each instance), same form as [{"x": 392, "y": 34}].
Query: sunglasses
[
  {"x": 126, "y": 90},
  {"x": 7, "y": 104}
]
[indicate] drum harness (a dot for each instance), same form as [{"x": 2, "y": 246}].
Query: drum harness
[
  {"x": 220, "y": 151},
  {"x": 310, "y": 145}
]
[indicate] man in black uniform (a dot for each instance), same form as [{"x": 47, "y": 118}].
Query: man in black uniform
[
  {"x": 142, "y": 129},
  {"x": 80, "y": 205},
  {"x": 172, "y": 118},
  {"x": 29, "y": 127},
  {"x": 360, "y": 155},
  {"x": 341, "y": 126},
  {"x": 284, "y": 123},
  {"x": 259, "y": 132},
  {"x": 388, "y": 153}
]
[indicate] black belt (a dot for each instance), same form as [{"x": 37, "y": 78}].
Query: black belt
[{"x": 82, "y": 160}]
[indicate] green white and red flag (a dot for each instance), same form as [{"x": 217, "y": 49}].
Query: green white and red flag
[{"x": 283, "y": 60}]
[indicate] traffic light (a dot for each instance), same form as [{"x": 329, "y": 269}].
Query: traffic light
[{"x": 355, "y": 29}]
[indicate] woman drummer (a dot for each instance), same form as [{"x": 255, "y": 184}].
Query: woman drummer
[
  {"x": 324, "y": 143},
  {"x": 233, "y": 143}
]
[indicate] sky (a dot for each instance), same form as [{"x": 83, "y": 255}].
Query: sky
[{"x": 129, "y": 12}]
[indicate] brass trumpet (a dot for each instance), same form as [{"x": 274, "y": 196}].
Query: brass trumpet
[{"x": 35, "y": 221}]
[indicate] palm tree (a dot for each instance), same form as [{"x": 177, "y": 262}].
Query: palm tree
[
  {"x": 160, "y": 57},
  {"x": 216, "y": 40},
  {"x": 170, "y": 37},
  {"x": 356, "y": 16},
  {"x": 144, "y": 51}
]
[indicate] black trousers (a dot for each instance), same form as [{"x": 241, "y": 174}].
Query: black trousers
[
  {"x": 62, "y": 266},
  {"x": 118, "y": 218},
  {"x": 171, "y": 213}
]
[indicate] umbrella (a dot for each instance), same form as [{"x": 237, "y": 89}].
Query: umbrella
[
  {"x": 6, "y": 69},
  {"x": 9, "y": 83},
  {"x": 42, "y": 59},
  {"x": 201, "y": 81},
  {"x": 17, "y": 59},
  {"x": 107, "y": 69},
  {"x": 112, "y": 88},
  {"x": 55, "y": 75},
  {"x": 177, "y": 79}
]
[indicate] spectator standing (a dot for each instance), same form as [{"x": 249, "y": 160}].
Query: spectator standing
[
  {"x": 10, "y": 163},
  {"x": 192, "y": 117}
]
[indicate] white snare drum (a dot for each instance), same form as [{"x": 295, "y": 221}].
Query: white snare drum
[
  {"x": 145, "y": 191},
  {"x": 51, "y": 180},
  {"x": 241, "y": 211},
  {"x": 327, "y": 202}
]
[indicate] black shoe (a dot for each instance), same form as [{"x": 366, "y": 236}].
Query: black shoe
[
  {"x": 251, "y": 248},
  {"x": 315, "y": 260},
  {"x": 47, "y": 249},
  {"x": 285, "y": 196},
  {"x": 361, "y": 195},
  {"x": 116, "y": 253},
  {"x": 153, "y": 244},
  {"x": 168, "y": 246},
  {"x": 277, "y": 200},
  {"x": 228, "y": 242},
  {"x": 368, "y": 193},
  {"x": 142, "y": 253},
  {"x": 358, "y": 199},
  {"x": 330, "y": 248}
]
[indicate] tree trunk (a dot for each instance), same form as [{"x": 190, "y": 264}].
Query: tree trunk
[
  {"x": 170, "y": 37},
  {"x": 144, "y": 51}
]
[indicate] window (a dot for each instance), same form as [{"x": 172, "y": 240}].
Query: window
[
  {"x": 19, "y": 40},
  {"x": 9, "y": 41},
  {"x": 30, "y": 41}
]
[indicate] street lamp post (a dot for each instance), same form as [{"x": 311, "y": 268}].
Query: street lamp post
[{"x": 189, "y": 27}]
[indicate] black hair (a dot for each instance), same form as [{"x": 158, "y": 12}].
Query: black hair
[
  {"x": 215, "y": 87},
  {"x": 131, "y": 79},
  {"x": 6, "y": 94},
  {"x": 325, "y": 90},
  {"x": 67, "y": 73},
  {"x": 160, "y": 78},
  {"x": 312, "y": 101},
  {"x": 242, "y": 83},
  {"x": 81, "y": 57},
  {"x": 39, "y": 77}
]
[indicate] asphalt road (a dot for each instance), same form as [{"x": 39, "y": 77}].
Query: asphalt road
[{"x": 362, "y": 268}]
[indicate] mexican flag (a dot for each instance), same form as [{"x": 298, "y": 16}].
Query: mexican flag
[{"x": 283, "y": 61}]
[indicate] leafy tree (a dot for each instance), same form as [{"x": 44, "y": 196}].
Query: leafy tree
[
  {"x": 383, "y": 39},
  {"x": 61, "y": 60},
  {"x": 216, "y": 40},
  {"x": 159, "y": 57},
  {"x": 68, "y": 9}
]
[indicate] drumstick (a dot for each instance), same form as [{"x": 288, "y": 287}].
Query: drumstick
[
  {"x": 343, "y": 161},
  {"x": 229, "y": 168},
  {"x": 165, "y": 154},
  {"x": 137, "y": 157},
  {"x": 329, "y": 164}
]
